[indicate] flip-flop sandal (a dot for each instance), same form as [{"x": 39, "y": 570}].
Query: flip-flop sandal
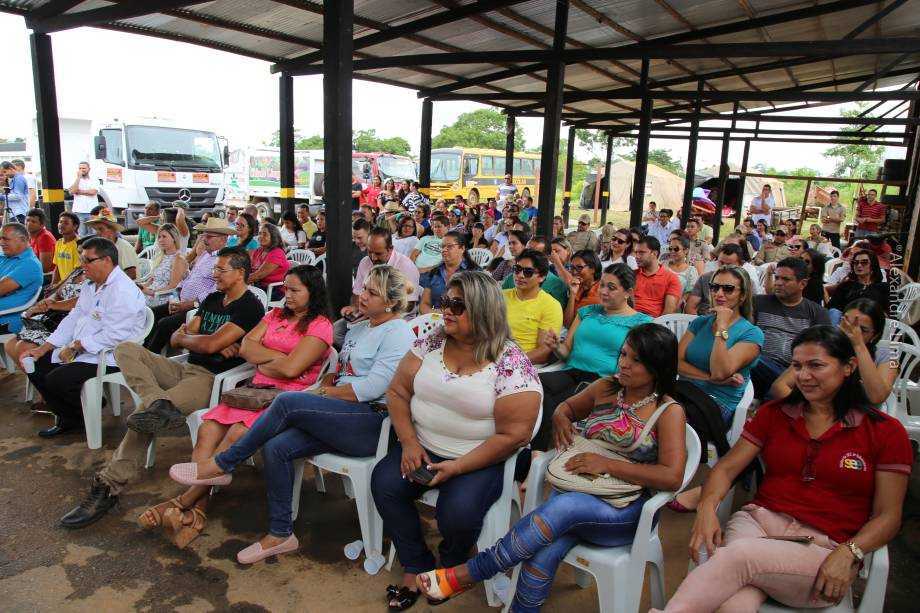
[
  {"x": 405, "y": 597},
  {"x": 172, "y": 503}
]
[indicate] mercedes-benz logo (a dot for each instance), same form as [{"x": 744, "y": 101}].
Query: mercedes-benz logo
[{"x": 185, "y": 195}]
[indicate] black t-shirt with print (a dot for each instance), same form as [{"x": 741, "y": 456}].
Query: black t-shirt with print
[
  {"x": 245, "y": 312},
  {"x": 317, "y": 240}
]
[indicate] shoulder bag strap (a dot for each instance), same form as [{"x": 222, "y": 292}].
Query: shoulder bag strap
[{"x": 648, "y": 427}]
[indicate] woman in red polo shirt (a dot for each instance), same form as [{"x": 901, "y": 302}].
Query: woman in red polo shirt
[{"x": 836, "y": 476}]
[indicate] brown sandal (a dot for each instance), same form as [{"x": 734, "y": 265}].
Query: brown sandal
[
  {"x": 182, "y": 526},
  {"x": 157, "y": 512}
]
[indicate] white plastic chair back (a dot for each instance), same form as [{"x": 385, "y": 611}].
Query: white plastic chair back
[
  {"x": 907, "y": 295},
  {"x": 829, "y": 267},
  {"x": 481, "y": 256},
  {"x": 423, "y": 325},
  {"x": 144, "y": 269},
  {"x": 301, "y": 256},
  {"x": 260, "y": 294},
  {"x": 903, "y": 332},
  {"x": 909, "y": 360},
  {"x": 320, "y": 262},
  {"x": 676, "y": 322},
  {"x": 834, "y": 251},
  {"x": 148, "y": 253}
]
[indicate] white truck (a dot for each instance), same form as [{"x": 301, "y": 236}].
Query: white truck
[
  {"x": 143, "y": 160},
  {"x": 254, "y": 176}
]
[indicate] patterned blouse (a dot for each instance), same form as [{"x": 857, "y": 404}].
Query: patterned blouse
[{"x": 620, "y": 427}]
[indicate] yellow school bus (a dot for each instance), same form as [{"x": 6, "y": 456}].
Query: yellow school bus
[{"x": 477, "y": 173}]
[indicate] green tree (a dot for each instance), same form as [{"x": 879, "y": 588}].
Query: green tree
[
  {"x": 310, "y": 142},
  {"x": 367, "y": 140},
  {"x": 856, "y": 161},
  {"x": 484, "y": 128},
  {"x": 662, "y": 158}
]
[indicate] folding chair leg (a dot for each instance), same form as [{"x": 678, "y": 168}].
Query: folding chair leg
[
  {"x": 319, "y": 480},
  {"x": 151, "y": 453},
  {"x": 115, "y": 398},
  {"x": 298, "y": 481},
  {"x": 583, "y": 579},
  {"x": 91, "y": 399}
]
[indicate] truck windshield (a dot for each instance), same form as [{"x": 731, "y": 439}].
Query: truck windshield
[
  {"x": 445, "y": 166},
  {"x": 396, "y": 168},
  {"x": 173, "y": 148}
]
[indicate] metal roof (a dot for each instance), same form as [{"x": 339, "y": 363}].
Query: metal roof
[{"x": 284, "y": 30}]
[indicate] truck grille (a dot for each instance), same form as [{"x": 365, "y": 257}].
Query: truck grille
[{"x": 201, "y": 197}]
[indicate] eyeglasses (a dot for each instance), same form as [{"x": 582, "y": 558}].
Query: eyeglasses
[
  {"x": 808, "y": 470},
  {"x": 794, "y": 246},
  {"x": 455, "y": 306},
  {"x": 86, "y": 261},
  {"x": 221, "y": 271},
  {"x": 727, "y": 289},
  {"x": 862, "y": 262},
  {"x": 620, "y": 241},
  {"x": 527, "y": 271},
  {"x": 579, "y": 267}
]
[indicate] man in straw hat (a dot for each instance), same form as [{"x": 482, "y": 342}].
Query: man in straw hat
[
  {"x": 106, "y": 226},
  {"x": 212, "y": 237}
]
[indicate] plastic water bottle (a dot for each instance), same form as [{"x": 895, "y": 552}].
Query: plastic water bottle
[
  {"x": 373, "y": 563},
  {"x": 354, "y": 549},
  {"x": 502, "y": 585},
  {"x": 28, "y": 364},
  {"x": 703, "y": 555}
]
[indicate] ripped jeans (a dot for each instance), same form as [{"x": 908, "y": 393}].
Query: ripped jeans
[{"x": 541, "y": 539}]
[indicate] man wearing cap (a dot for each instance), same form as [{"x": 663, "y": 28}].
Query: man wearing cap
[
  {"x": 212, "y": 237},
  {"x": 583, "y": 237},
  {"x": 774, "y": 250},
  {"x": 106, "y": 226}
]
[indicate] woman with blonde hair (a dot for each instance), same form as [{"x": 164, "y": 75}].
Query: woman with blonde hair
[
  {"x": 169, "y": 268},
  {"x": 463, "y": 400},
  {"x": 343, "y": 415}
]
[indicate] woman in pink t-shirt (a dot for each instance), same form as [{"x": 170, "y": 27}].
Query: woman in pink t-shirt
[
  {"x": 288, "y": 348},
  {"x": 269, "y": 263}
]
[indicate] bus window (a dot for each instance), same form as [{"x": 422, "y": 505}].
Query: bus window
[
  {"x": 527, "y": 171},
  {"x": 470, "y": 166},
  {"x": 517, "y": 166},
  {"x": 487, "y": 165},
  {"x": 445, "y": 166},
  {"x": 499, "y": 165}
]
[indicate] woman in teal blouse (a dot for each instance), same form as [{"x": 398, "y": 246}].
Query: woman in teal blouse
[
  {"x": 247, "y": 230},
  {"x": 592, "y": 348}
]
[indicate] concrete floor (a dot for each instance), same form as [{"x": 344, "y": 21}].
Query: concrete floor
[{"x": 115, "y": 566}]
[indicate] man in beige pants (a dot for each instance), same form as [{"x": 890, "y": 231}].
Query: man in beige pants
[{"x": 170, "y": 390}]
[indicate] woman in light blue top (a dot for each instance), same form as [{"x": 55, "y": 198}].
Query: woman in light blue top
[
  {"x": 592, "y": 347},
  {"x": 343, "y": 415},
  {"x": 247, "y": 230}
]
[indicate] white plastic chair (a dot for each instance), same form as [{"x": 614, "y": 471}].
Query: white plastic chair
[
  {"x": 875, "y": 571},
  {"x": 423, "y": 325},
  {"x": 675, "y": 322},
  {"x": 270, "y": 291},
  {"x": 6, "y": 360},
  {"x": 907, "y": 295},
  {"x": 829, "y": 267},
  {"x": 91, "y": 392},
  {"x": 909, "y": 360},
  {"x": 903, "y": 332},
  {"x": 496, "y": 522},
  {"x": 724, "y": 510},
  {"x": 320, "y": 262},
  {"x": 260, "y": 294},
  {"x": 834, "y": 252},
  {"x": 618, "y": 571},
  {"x": 301, "y": 256},
  {"x": 148, "y": 253},
  {"x": 481, "y": 256},
  {"x": 144, "y": 269}
]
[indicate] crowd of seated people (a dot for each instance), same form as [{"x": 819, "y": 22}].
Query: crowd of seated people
[{"x": 554, "y": 338}]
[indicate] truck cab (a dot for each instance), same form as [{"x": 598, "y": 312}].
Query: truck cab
[{"x": 151, "y": 160}]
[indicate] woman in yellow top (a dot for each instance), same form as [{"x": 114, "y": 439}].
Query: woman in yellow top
[{"x": 531, "y": 311}]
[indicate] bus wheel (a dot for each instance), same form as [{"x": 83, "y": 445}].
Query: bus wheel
[
  {"x": 474, "y": 197},
  {"x": 525, "y": 193}
]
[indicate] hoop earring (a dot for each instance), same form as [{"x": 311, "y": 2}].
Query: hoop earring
[{"x": 388, "y": 309}]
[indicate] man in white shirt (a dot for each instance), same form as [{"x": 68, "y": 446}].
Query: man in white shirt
[
  {"x": 84, "y": 193},
  {"x": 663, "y": 226},
  {"x": 109, "y": 311},
  {"x": 762, "y": 206},
  {"x": 506, "y": 192}
]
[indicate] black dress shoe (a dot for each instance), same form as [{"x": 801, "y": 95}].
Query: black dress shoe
[
  {"x": 60, "y": 427},
  {"x": 160, "y": 415},
  {"x": 93, "y": 507}
]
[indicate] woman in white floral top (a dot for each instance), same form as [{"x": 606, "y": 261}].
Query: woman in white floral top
[{"x": 463, "y": 400}]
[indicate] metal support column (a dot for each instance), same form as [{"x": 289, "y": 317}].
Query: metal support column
[
  {"x": 549, "y": 156},
  {"x": 338, "y": 33},
  {"x": 691, "y": 156},
  {"x": 742, "y": 179},
  {"x": 424, "y": 149},
  {"x": 567, "y": 183},
  {"x": 645, "y": 124},
  {"x": 286, "y": 140},
  {"x": 49, "y": 135},
  {"x": 607, "y": 194},
  {"x": 510, "y": 128},
  {"x": 723, "y": 185}
]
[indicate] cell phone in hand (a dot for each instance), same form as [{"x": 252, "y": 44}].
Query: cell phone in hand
[{"x": 422, "y": 475}]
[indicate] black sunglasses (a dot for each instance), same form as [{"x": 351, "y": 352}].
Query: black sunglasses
[
  {"x": 456, "y": 306},
  {"x": 527, "y": 271},
  {"x": 620, "y": 241},
  {"x": 728, "y": 290}
]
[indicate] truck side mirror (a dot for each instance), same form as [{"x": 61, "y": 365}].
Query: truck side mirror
[
  {"x": 99, "y": 146},
  {"x": 226, "y": 155}
]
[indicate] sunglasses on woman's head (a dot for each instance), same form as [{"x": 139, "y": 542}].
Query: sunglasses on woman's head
[
  {"x": 527, "y": 271},
  {"x": 455, "y": 306},
  {"x": 728, "y": 290}
]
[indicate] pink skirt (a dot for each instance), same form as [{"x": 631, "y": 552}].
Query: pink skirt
[{"x": 228, "y": 416}]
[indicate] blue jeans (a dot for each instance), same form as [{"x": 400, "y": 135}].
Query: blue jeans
[
  {"x": 298, "y": 425},
  {"x": 570, "y": 518},
  {"x": 463, "y": 502},
  {"x": 84, "y": 230}
]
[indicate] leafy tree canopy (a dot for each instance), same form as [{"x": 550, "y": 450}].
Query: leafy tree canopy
[
  {"x": 856, "y": 161},
  {"x": 362, "y": 140},
  {"x": 662, "y": 158},
  {"x": 484, "y": 128}
]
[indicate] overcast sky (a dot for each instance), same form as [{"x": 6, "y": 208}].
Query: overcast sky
[{"x": 103, "y": 75}]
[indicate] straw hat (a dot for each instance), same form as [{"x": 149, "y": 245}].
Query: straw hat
[
  {"x": 585, "y": 218},
  {"x": 105, "y": 216},
  {"x": 216, "y": 225}
]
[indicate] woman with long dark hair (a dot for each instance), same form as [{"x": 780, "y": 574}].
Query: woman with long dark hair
[
  {"x": 287, "y": 348},
  {"x": 815, "y": 261},
  {"x": 632, "y": 413},
  {"x": 833, "y": 489},
  {"x": 864, "y": 281},
  {"x": 584, "y": 284}
]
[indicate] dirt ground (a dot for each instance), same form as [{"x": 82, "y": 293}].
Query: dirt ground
[{"x": 115, "y": 566}]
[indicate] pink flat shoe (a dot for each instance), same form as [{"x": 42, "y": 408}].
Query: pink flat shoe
[
  {"x": 254, "y": 553},
  {"x": 187, "y": 474}
]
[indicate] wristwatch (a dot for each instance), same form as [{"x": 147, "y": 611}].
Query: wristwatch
[
  {"x": 723, "y": 334},
  {"x": 856, "y": 551}
]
